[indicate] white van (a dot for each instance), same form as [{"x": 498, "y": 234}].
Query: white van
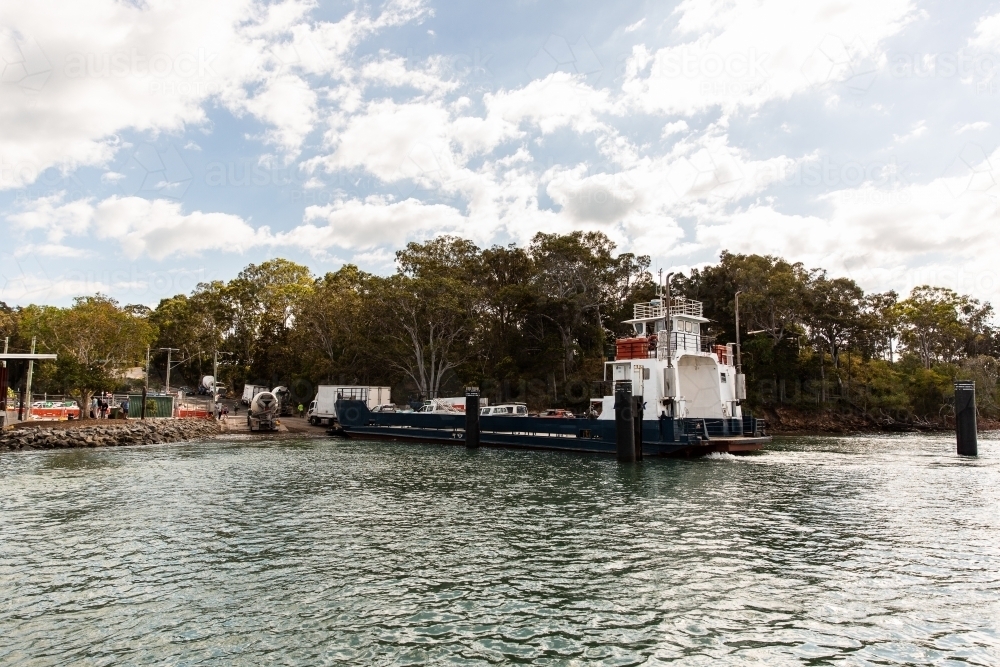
[{"x": 504, "y": 409}]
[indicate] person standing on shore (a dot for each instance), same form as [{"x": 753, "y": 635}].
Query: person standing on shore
[{"x": 125, "y": 408}]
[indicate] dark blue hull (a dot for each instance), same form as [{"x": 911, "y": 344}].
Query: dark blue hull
[{"x": 660, "y": 437}]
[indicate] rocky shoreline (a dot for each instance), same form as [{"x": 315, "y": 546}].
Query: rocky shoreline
[
  {"x": 107, "y": 434},
  {"x": 790, "y": 421}
]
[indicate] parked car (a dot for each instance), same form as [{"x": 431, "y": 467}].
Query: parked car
[{"x": 558, "y": 413}]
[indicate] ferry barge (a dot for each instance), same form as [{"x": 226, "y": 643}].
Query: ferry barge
[{"x": 676, "y": 392}]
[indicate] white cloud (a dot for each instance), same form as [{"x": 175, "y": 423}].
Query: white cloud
[
  {"x": 24, "y": 287},
  {"x": 745, "y": 54},
  {"x": 157, "y": 228},
  {"x": 394, "y": 73},
  {"x": 77, "y": 74},
  {"x": 384, "y": 137},
  {"x": 673, "y": 128},
  {"x": 57, "y": 219},
  {"x": 917, "y": 130},
  {"x": 559, "y": 100},
  {"x": 50, "y": 250},
  {"x": 371, "y": 223},
  {"x": 886, "y": 238},
  {"x": 635, "y": 26},
  {"x": 978, "y": 126},
  {"x": 987, "y": 35}
]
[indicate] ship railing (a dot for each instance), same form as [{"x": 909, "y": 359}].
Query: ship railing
[
  {"x": 353, "y": 394},
  {"x": 678, "y": 306},
  {"x": 682, "y": 342}
]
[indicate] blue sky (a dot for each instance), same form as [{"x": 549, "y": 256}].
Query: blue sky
[{"x": 147, "y": 146}]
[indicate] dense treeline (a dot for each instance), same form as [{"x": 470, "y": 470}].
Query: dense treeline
[{"x": 534, "y": 324}]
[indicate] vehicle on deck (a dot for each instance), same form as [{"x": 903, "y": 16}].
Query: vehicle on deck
[
  {"x": 557, "y": 413},
  {"x": 684, "y": 392},
  {"x": 322, "y": 410},
  {"x": 505, "y": 409}
]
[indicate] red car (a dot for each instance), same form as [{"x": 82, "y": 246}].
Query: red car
[{"x": 558, "y": 413}]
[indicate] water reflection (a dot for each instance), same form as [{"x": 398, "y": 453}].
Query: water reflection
[{"x": 848, "y": 550}]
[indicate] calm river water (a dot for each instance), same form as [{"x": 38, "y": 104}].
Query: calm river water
[{"x": 846, "y": 551}]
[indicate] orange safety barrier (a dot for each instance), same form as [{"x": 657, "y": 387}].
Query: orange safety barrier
[
  {"x": 58, "y": 412},
  {"x": 191, "y": 413}
]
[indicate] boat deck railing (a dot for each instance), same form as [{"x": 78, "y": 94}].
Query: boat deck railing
[
  {"x": 681, "y": 342},
  {"x": 657, "y": 310}
]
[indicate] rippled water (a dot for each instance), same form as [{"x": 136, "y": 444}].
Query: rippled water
[{"x": 847, "y": 551}]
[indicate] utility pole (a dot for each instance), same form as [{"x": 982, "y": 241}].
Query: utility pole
[
  {"x": 169, "y": 350},
  {"x": 215, "y": 374},
  {"x": 670, "y": 326},
  {"x": 147, "y": 369},
  {"x": 3, "y": 382},
  {"x": 31, "y": 369},
  {"x": 739, "y": 366}
]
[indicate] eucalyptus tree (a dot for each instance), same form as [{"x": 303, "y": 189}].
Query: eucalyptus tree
[
  {"x": 95, "y": 340},
  {"x": 572, "y": 277},
  {"x": 264, "y": 299},
  {"x": 508, "y": 300},
  {"x": 428, "y": 311},
  {"x": 939, "y": 324},
  {"x": 196, "y": 325},
  {"x": 333, "y": 327}
]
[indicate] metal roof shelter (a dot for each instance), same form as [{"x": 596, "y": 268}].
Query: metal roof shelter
[{"x": 18, "y": 356}]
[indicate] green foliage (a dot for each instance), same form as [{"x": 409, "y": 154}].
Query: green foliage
[
  {"x": 95, "y": 340},
  {"x": 531, "y": 323}
]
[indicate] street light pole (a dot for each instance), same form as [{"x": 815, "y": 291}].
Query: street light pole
[
  {"x": 739, "y": 365},
  {"x": 31, "y": 370},
  {"x": 215, "y": 373},
  {"x": 670, "y": 326}
]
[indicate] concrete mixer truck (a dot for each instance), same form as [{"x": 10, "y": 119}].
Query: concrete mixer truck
[
  {"x": 284, "y": 396},
  {"x": 208, "y": 383},
  {"x": 262, "y": 414}
]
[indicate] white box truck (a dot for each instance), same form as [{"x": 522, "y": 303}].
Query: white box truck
[
  {"x": 251, "y": 390},
  {"x": 322, "y": 409}
]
